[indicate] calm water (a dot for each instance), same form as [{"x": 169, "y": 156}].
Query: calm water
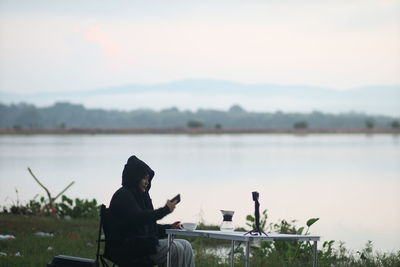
[{"x": 352, "y": 182}]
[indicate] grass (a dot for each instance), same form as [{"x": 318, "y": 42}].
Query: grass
[
  {"x": 77, "y": 237},
  {"x": 71, "y": 237}
]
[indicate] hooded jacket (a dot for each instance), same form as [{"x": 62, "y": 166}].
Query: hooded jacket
[{"x": 134, "y": 220}]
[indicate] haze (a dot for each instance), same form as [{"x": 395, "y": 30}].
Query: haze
[{"x": 64, "y": 46}]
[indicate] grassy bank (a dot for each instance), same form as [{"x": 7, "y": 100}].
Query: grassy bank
[
  {"x": 77, "y": 237},
  {"x": 73, "y": 237}
]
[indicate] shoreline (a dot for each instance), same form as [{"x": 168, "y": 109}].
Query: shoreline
[{"x": 194, "y": 131}]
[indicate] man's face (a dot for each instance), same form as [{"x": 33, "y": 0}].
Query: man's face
[{"x": 144, "y": 183}]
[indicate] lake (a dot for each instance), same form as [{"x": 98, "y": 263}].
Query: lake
[{"x": 351, "y": 182}]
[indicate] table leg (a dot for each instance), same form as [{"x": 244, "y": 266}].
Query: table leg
[
  {"x": 247, "y": 257},
  {"x": 232, "y": 253},
  {"x": 168, "y": 251},
  {"x": 315, "y": 254}
]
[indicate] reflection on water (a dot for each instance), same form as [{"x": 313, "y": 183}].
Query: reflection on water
[{"x": 352, "y": 182}]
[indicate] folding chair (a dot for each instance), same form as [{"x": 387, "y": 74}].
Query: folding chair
[{"x": 116, "y": 257}]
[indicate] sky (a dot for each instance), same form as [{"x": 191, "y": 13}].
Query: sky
[{"x": 63, "y": 46}]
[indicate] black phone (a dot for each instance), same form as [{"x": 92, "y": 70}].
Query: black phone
[{"x": 176, "y": 198}]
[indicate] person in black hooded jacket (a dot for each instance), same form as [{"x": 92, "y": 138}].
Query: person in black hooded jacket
[{"x": 134, "y": 220}]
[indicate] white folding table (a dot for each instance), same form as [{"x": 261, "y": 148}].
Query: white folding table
[{"x": 243, "y": 237}]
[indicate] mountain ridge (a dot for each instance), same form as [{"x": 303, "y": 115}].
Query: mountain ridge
[{"x": 195, "y": 93}]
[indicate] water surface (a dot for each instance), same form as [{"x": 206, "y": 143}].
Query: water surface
[{"x": 352, "y": 182}]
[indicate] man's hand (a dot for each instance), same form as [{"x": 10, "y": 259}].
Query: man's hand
[
  {"x": 176, "y": 225},
  {"x": 171, "y": 205}
]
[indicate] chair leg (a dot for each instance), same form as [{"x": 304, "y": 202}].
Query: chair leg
[{"x": 103, "y": 262}]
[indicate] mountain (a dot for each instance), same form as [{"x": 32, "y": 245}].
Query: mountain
[{"x": 218, "y": 94}]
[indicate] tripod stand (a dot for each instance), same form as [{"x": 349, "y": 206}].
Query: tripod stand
[{"x": 257, "y": 230}]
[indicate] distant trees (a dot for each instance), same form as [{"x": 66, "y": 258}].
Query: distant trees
[
  {"x": 218, "y": 126},
  {"x": 369, "y": 123},
  {"x": 64, "y": 115},
  {"x": 236, "y": 109},
  {"x": 300, "y": 125},
  {"x": 195, "y": 124},
  {"x": 395, "y": 125},
  {"x": 29, "y": 117}
]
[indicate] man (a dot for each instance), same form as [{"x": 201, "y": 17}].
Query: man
[{"x": 134, "y": 232}]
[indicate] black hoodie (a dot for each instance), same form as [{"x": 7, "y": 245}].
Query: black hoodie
[{"x": 134, "y": 219}]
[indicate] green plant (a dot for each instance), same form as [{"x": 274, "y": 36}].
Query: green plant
[
  {"x": 78, "y": 208},
  {"x": 289, "y": 251},
  {"x": 251, "y": 220}
]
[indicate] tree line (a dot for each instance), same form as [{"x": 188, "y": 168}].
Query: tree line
[{"x": 64, "y": 115}]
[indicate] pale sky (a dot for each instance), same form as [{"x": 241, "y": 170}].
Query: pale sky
[{"x": 79, "y": 45}]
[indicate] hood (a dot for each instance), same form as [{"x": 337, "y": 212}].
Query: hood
[{"x": 134, "y": 171}]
